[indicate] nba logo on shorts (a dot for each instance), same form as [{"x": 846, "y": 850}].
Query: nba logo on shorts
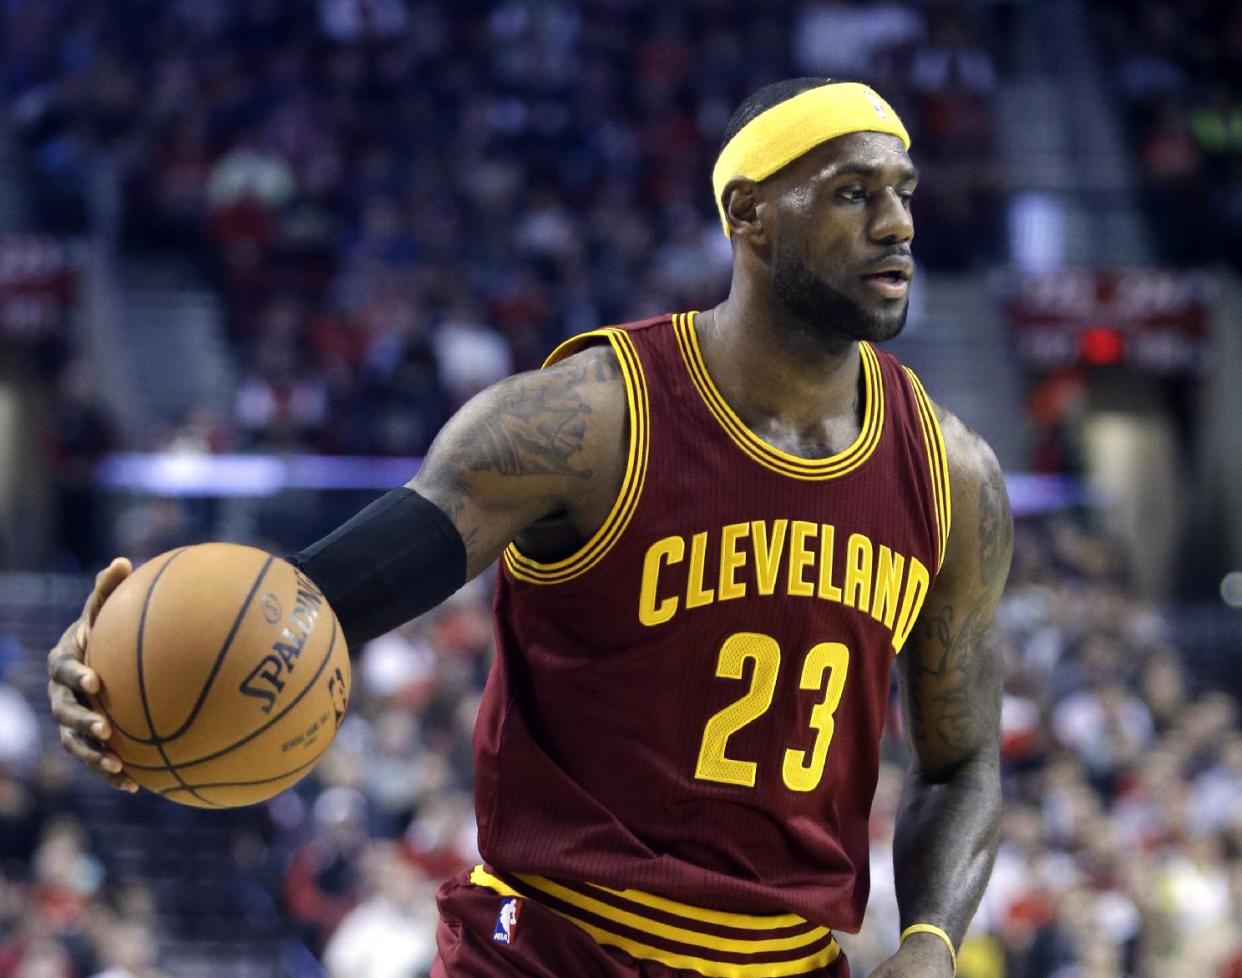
[{"x": 506, "y": 921}]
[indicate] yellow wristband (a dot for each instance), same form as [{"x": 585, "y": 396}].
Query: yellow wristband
[{"x": 932, "y": 929}]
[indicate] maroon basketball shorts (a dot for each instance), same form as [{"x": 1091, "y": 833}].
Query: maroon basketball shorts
[{"x": 484, "y": 934}]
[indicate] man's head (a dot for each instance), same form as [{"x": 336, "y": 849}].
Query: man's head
[{"x": 813, "y": 183}]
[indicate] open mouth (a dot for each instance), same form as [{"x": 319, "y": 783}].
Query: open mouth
[{"x": 891, "y": 284}]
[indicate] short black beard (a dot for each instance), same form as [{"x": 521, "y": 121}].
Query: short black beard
[{"x": 825, "y": 311}]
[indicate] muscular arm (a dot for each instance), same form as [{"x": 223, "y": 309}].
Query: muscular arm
[
  {"x": 950, "y": 677},
  {"x": 537, "y": 448},
  {"x": 542, "y": 453}
]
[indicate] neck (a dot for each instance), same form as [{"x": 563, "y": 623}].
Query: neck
[{"x": 770, "y": 364}]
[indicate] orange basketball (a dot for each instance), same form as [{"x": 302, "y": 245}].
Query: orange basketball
[{"x": 224, "y": 674}]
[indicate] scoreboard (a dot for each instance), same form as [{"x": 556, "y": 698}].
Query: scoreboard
[{"x": 1151, "y": 320}]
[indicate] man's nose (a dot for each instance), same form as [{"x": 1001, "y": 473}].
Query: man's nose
[{"x": 892, "y": 221}]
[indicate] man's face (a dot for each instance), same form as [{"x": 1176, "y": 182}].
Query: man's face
[{"x": 841, "y": 241}]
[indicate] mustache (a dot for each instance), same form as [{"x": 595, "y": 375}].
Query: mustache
[{"x": 896, "y": 251}]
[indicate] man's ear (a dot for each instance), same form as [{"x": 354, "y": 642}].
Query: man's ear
[{"x": 741, "y": 207}]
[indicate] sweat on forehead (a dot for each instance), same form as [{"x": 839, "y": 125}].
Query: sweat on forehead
[{"x": 792, "y": 128}]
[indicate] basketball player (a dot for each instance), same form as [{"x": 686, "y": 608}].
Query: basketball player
[{"x": 718, "y": 532}]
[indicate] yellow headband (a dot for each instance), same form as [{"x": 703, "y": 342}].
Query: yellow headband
[{"x": 794, "y": 127}]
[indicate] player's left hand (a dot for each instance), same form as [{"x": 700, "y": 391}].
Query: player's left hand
[{"x": 921, "y": 956}]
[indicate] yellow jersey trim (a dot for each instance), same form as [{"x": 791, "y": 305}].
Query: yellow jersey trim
[
  {"x": 760, "y": 451},
  {"x": 668, "y": 931},
  {"x": 938, "y": 465},
  {"x": 532, "y": 571},
  {"x": 712, "y": 969},
  {"x": 481, "y": 877},
  {"x": 702, "y": 914},
  {"x": 659, "y": 929}
]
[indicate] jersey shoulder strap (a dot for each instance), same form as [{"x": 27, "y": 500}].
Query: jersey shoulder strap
[
  {"x": 914, "y": 401},
  {"x": 532, "y": 571}
]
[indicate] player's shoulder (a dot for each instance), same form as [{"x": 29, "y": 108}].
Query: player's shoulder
[
  {"x": 582, "y": 395},
  {"x": 602, "y": 356},
  {"x": 982, "y": 522},
  {"x": 970, "y": 458},
  {"x": 580, "y": 398},
  {"x": 594, "y": 373},
  {"x": 606, "y": 337},
  {"x": 593, "y": 362}
]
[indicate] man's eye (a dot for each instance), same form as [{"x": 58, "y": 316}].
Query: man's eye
[{"x": 854, "y": 194}]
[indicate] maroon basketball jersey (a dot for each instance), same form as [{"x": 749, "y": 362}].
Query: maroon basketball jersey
[{"x": 679, "y": 740}]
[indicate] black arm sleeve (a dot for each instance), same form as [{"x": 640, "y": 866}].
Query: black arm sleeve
[{"x": 394, "y": 560}]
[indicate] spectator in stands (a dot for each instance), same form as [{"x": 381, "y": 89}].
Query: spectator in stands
[
  {"x": 322, "y": 882},
  {"x": 19, "y": 730},
  {"x": 41, "y": 959},
  {"x": 470, "y": 355},
  {"x": 391, "y": 933},
  {"x": 289, "y": 153},
  {"x": 1172, "y": 170},
  {"x": 845, "y": 40},
  {"x": 80, "y": 432},
  {"x": 128, "y": 951},
  {"x": 349, "y": 21},
  {"x": 1107, "y": 727},
  {"x": 1177, "y": 83}
]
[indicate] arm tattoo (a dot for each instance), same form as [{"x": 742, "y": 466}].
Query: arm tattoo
[
  {"x": 948, "y": 828},
  {"x": 536, "y": 431},
  {"x": 607, "y": 368},
  {"x": 519, "y": 451},
  {"x": 955, "y": 677},
  {"x": 995, "y": 530},
  {"x": 951, "y": 668}
]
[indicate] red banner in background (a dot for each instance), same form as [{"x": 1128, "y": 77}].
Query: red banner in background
[
  {"x": 1156, "y": 320},
  {"x": 38, "y": 283}
]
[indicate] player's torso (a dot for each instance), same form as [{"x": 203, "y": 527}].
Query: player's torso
[{"x": 691, "y": 704}]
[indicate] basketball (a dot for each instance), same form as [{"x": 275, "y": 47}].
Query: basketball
[{"x": 224, "y": 674}]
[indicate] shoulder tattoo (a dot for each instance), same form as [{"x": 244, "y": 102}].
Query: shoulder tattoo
[
  {"x": 995, "y": 529},
  {"x": 538, "y": 429}
]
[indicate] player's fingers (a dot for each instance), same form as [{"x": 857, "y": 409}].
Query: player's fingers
[
  {"x": 106, "y": 582},
  {"x": 100, "y": 760},
  {"x": 68, "y": 712},
  {"x": 89, "y": 753},
  {"x": 65, "y": 665},
  {"x": 122, "y": 782},
  {"x": 108, "y": 767}
]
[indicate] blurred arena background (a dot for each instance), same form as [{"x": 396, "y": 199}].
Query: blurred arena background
[{"x": 253, "y": 252}]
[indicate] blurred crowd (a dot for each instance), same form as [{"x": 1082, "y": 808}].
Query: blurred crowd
[
  {"x": 1121, "y": 852},
  {"x": 403, "y": 202},
  {"x": 1178, "y": 72}
]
